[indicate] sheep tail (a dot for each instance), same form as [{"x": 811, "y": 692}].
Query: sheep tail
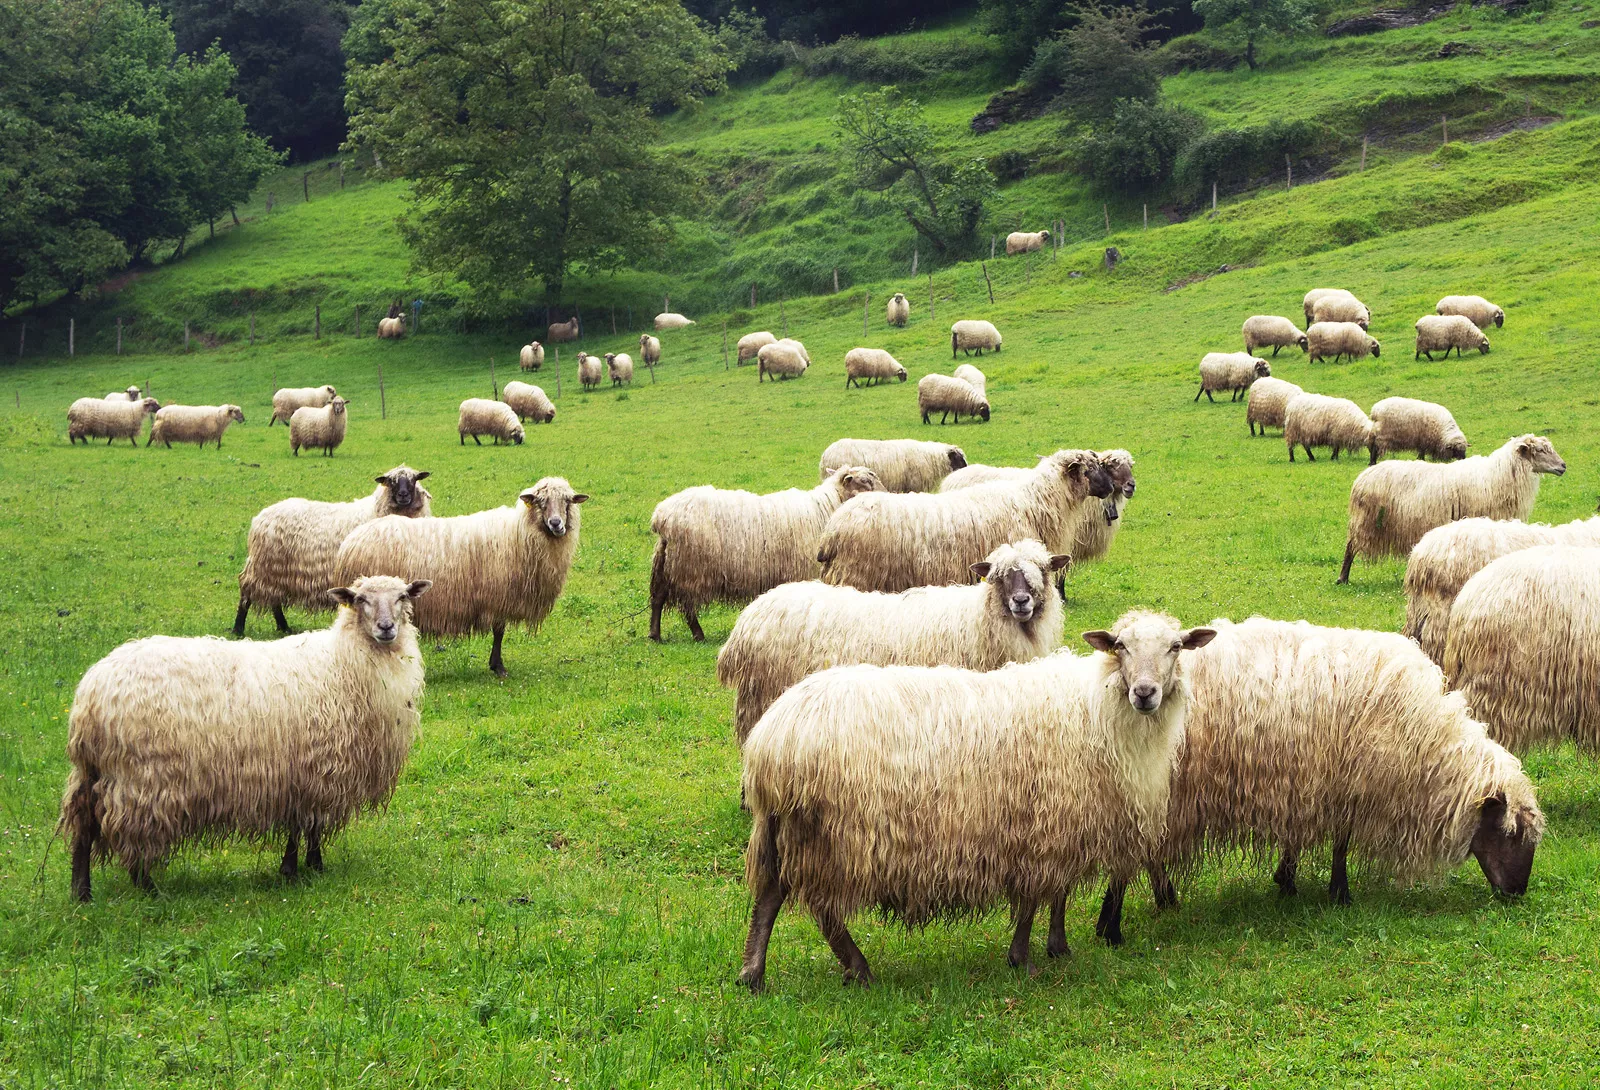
[
  {"x": 77, "y": 805},
  {"x": 761, "y": 856}
]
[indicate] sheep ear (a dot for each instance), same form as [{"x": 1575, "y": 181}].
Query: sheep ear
[
  {"x": 1059, "y": 561},
  {"x": 1075, "y": 468},
  {"x": 1101, "y": 640},
  {"x": 529, "y": 498},
  {"x": 418, "y": 588},
  {"x": 981, "y": 569},
  {"x": 581, "y": 497},
  {"x": 424, "y": 473},
  {"x": 382, "y": 480},
  {"x": 343, "y": 595},
  {"x": 1196, "y": 638}
]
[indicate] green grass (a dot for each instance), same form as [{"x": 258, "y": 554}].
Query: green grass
[{"x": 555, "y": 891}]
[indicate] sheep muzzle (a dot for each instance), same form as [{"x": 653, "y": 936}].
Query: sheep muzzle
[
  {"x": 1505, "y": 856},
  {"x": 1146, "y": 647}
]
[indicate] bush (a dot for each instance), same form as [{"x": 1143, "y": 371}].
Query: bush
[
  {"x": 1232, "y": 156},
  {"x": 1138, "y": 148},
  {"x": 751, "y": 51},
  {"x": 1009, "y": 166},
  {"x": 898, "y": 60},
  {"x": 1099, "y": 61},
  {"x": 1193, "y": 55}
]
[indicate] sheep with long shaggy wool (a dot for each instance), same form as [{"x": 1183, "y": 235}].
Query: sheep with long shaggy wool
[
  {"x": 798, "y": 629},
  {"x": 897, "y": 311},
  {"x": 947, "y": 396},
  {"x": 974, "y": 335},
  {"x": 1482, "y": 312},
  {"x": 562, "y": 332},
  {"x": 130, "y": 394},
  {"x": 293, "y": 545},
  {"x": 1340, "y": 306},
  {"x": 672, "y": 321},
  {"x": 507, "y": 565},
  {"x": 1310, "y": 302},
  {"x": 1300, "y": 736},
  {"x": 1441, "y": 333},
  {"x": 729, "y": 545},
  {"x": 177, "y": 740},
  {"x": 1024, "y": 242},
  {"x": 1392, "y": 504},
  {"x": 1404, "y": 423},
  {"x": 290, "y": 398},
  {"x": 870, "y": 366},
  {"x": 318, "y": 429},
  {"x": 1316, "y": 420},
  {"x": 649, "y": 349},
  {"x": 392, "y": 328},
  {"x": 902, "y": 465},
  {"x": 782, "y": 359},
  {"x": 95, "y": 418},
  {"x": 751, "y": 344},
  {"x": 1267, "y": 403},
  {"x": 591, "y": 370},
  {"x": 1263, "y": 330},
  {"x": 895, "y": 541},
  {"x": 1232, "y": 371},
  {"x": 199, "y": 424},
  {"x": 529, "y": 402},
  {"x": 936, "y": 791},
  {"x": 531, "y": 358},
  {"x": 1447, "y": 556},
  {"x": 479, "y": 416},
  {"x": 974, "y": 378},
  {"x": 619, "y": 365},
  {"x": 1336, "y": 340}
]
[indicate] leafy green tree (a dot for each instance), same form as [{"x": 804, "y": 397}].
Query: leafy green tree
[
  {"x": 1138, "y": 147},
  {"x": 1250, "y": 21},
  {"x": 527, "y": 133},
  {"x": 1102, "y": 59}
]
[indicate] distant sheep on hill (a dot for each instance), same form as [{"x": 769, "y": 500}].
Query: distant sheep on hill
[
  {"x": 561, "y": 332},
  {"x": 199, "y": 424},
  {"x": 752, "y": 343},
  {"x": 898, "y": 310},
  {"x": 947, "y": 395},
  {"x": 529, "y": 402},
  {"x": 480, "y": 416},
  {"x": 974, "y": 335},
  {"x": 1404, "y": 423},
  {"x": 871, "y": 365},
  {"x": 1441, "y": 333},
  {"x": 1022, "y": 242},
  {"x": 1476, "y": 307},
  {"x": 1315, "y": 420},
  {"x": 1263, "y": 330},
  {"x": 318, "y": 429},
  {"x": 1233, "y": 371},
  {"x": 1268, "y": 400},
  {"x": 288, "y": 399},
  {"x": 1340, "y": 339},
  {"x": 672, "y": 321},
  {"x": 94, "y": 418},
  {"x": 531, "y": 357}
]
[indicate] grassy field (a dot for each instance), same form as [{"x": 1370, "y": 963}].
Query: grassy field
[{"x": 555, "y": 894}]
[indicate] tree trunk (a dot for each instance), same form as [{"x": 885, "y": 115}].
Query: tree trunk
[{"x": 1250, "y": 52}]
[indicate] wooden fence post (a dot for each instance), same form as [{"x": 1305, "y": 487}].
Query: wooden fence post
[
  {"x": 836, "y": 280},
  {"x": 991, "y": 247},
  {"x": 492, "y": 383},
  {"x": 1213, "y": 198},
  {"x": 1288, "y": 169},
  {"x": 119, "y": 336},
  {"x": 613, "y": 319},
  {"x": 930, "y": 295},
  {"x": 383, "y": 400},
  {"x": 1444, "y": 129},
  {"x": 724, "y": 344},
  {"x": 72, "y": 336},
  {"x": 915, "y": 253},
  {"x": 1106, "y": 212},
  {"x": 252, "y": 328},
  {"x": 1147, "y": 216},
  {"x": 305, "y": 185},
  {"x": 752, "y": 295},
  {"x": 1363, "y": 153},
  {"x": 782, "y": 316},
  {"x": 865, "y": 305},
  {"x": 987, "y": 281},
  {"x": 666, "y": 304},
  {"x": 316, "y": 328}
]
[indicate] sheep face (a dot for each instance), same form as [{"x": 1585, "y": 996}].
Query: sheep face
[
  {"x": 1499, "y": 317},
  {"x": 1020, "y": 583},
  {"x": 551, "y": 502},
  {"x": 381, "y": 603},
  {"x": 336, "y": 405},
  {"x": 958, "y": 459},
  {"x": 983, "y": 413},
  {"x": 235, "y": 413},
  {"x": 133, "y": 393},
  {"x": 1373, "y": 346},
  {"x": 151, "y": 406},
  {"x": 1483, "y": 344},
  {"x": 1504, "y": 845},
  {"x": 1304, "y": 343},
  {"x": 1541, "y": 455},
  {"x": 1146, "y": 647},
  {"x": 330, "y": 391},
  {"x": 900, "y": 372},
  {"x": 402, "y": 482},
  {"x": 1456, "y": 449},
  {"x": 1263, "y": 369},
  {"x": 1083, "y": 465}
]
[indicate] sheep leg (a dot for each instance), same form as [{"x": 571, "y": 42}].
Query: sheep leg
[
  {"x": 1209, "y": 398},
  {"x": 290, "y": 867},
  {"x": 692, "y": 618},
  {"x": 1109, "y": 925},
  {"x": 1288, "y": 864},
  {"x": 1291, "y": 452},
  {"x": 925, "y": 419},
  {"x": 497, "y": 665},
  {"x": 283, "y": 622},
  {"x": 1309, "y": 455},
  {"x": 1339, "y": 887},
  {"x": 1252, "y": 424},
  {"x": 140, "y": 875},
  {"x": 1161, "y": 885},
  {"x": 856, "y": 969},
  {"x": 83, "y": 839},
  {"x": 658, "y": 591},
  {"x": 1374, "y": 459},
  {"x": 463, "y": 438},
  {"x": 1200, "y": 391},
  {"x": 1056, "y": 944},
  {"x": 314, "y": 847},
  {"x": 476, "y": 440},
  {"x": 1018, "y": 956},
  {"x": 239, "y": 618},
  {"x": 1335, "y": 454},
  {"x": 753, "y": 974},
  {"x": 1349, "y": 556}
]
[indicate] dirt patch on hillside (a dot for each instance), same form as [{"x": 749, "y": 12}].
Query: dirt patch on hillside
[{"x": 1521, "y": 124}]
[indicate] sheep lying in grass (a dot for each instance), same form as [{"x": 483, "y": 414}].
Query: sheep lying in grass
[
  {"x": 727, "y": 545},
  {"x": 619, "y": 365},
  {"x": 181, "y": 740},
  {"x": 932, "y": 791},
  {"x": 800, "y": 628},
  {"x": 391, "y": 328},
  {"x": 591, "y": 370},
  {"x": 870, "y": 365},
  {"x": 1403, "y": 423},
  {"x": 1023, "y": 242},
  {"x": 1262, "y": 330},
  {"x": 1447, "y": 556},
  {"x": 1315, "y": 420},
  {"x": 1340, "y": 306},
  {"x": 973, "y": 335},
  {"x": 1436, "y": 333},
  {"x": 288, "y": 399},
  {"x": 1233, "y": 371},
  {"x": 893, "y": 541},
  {"x": 974, "y": 378},
  {"x": 751, "y": 344},
  {"x": 782, "y": 359},
  {"x": 130, "y": 394},
  {"x": 294, "y": 544},
  {"x": 947, "y": 395},
  {"x": 1392, "y": 504},
  {"x": 1337, "y": 340},
  {"x": 200, "y": 424},
  {"x": 1267, "y": 402},
  {"x": 480, "y": 416},
  {"x": 529, "y": 402},
  {"x": 898, "y": 310},
  {"x": 672, "y": 321},
  {"x": 1524, "y": 647},
  {"x": 318, "y": 429},
  {"x": 649, "y": 349},
  {"x": 94, "y": 418},
  {"x": 1300, "y": 736},
  {"x": 532, "y": 356},
  {"x": 504, "y": 566},
  {"x": 562, "y": 332},
  {"x": 902, "y": 465},
  {"x": 1476, "y": 307}
]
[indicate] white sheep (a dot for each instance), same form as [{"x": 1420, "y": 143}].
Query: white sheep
[
  {"x": 1340, "y": 339},
  {"x": 1392, "y": 504},
  {"x": 1340, "y": 306},
  {"x": 94, "y": 418},
  {"x": 1266, "y": 403},
  {"x": 180, "y": 740},
  {"x": 130, "y": 394},
  {"x": 897, "y": 311},
  {"x": 1476, "y": 307},
  {"x": 974, "y": 335},
  {"x": 974, "y": 378},
  {"x": 288, "y": 399},
  {"x": 672, "y": 321},
  {"x": 1233, "y": 371},
  {"x": 562, "y": 332},
  {"x": 1315, "y": 294},
  {"x": 480, "y": 416},
  {"x": 649, "y": 349},
  {"x": 318, "y": 429},
  {"x": 529, "y": 402},
  {"x": 902, "y": 465},
  {"x": 1022, "y": 242},
  {"x": 1404, "y": 423},
  {"x": 590, "y": 370},
  {"x": 1262, "y": 330},
  {"x": 1316, "y": 420},
  {"x": 199, "y": 424},
  {"x": 871, "y": 365},
  {"x": 1441, "y": 333},
  {"x": 751, "y": 344},
  {"x": 786, "y": 358},
  {"x": 392, "y": 328},
  {"x": 619, "y": 365},
  {"x": 531, "y": 358},
  {"x": 946, "y": 394}
]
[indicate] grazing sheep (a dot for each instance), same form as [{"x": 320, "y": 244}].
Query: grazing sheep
[
  {"x": 1022, "y": 242},
  {"x": 1262, "y": 330},
  {"x": 480, "y": 416},
  {"x": 902, "y": 465},
  {"x": 94, "y": 418},
  {"x": 1441, "y": 333},
  {"x": 619, "y": 365},
  {"x": 1315, "y": 294},
  {"x": 786, "y": 358},
  {"x": 181, "y": 740},
  {"x": 590, "y": 371},
  {"x": 529, "y": 402},
  {"x": 946, "y": 394},
  {"x": 1315, "y": 420},
  {"x": 1524, "y": 647},
  {"x": 972, "y": 335},
  {"x": 726, "y": 545},
  {"x": 1403, "y": 423},
  {"x": 649, "y": 349},
  {"x": 1340, "y": 307},
  {"x": 130, "y": 394},
  {"x": 391, "y": 328},
  {"x": 1268, "y": 399},
  {"x": 318, "y": 429},
  {"x": 1094, "y": 536},
  {"x": 898, "y": 310},
  {"x": 288, "y": 399},
  {"x": 562, "y": 332},
  {"x": 893, "y": 542},
  {"x": 1475, "y": 307},
  {"x": 872, "y": 365},
  {"x": 974, "y": 378},
  {"x": 936, "y": 791},
  {"x": 1300, "y": 736},
  {"x": 294, "y": 544},
  {"x": 1393, "y": 504},
  {"x": 800, "y": 628},
  {"x": 199, "y": 424},
  {"x": 672, "y": 321},
  {"x": 1233, "y": 371},
  {"x": 532, "y": 356},
  {"x": 752, "y": 343},
  {"x": 507, "y": 565},
  {"x": 1340, "y": 339}
]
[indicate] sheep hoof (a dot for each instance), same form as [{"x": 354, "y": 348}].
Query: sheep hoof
[
  {"x": 858, "y": 975},
  {"x": 1057, "y": 947},
  {"x": 755, "y": 981}
]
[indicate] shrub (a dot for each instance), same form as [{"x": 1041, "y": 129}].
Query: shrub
[
  {"x": 751, "y": 51},
  {"x": 1194, "y": 55},
  {"x": 1138, "y": 147},
  {"x": 898, "y": 60},
  {"x": 1009, "y": 166},
  {"x": 1096, "y": 63},
  {"x": 1232, "y": 156}
]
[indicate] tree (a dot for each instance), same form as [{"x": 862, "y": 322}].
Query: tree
[
  {"x": 1252, "y": 20},
  {"x": 527, "y": 133},
  {"x": 1138, "y": 147},
  {"x": 889, "y": 149},
  {"x": 1101, "y": 60}
]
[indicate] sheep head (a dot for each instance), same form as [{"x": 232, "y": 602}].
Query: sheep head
[
  {"x": 958, "y": 459},
  {"x": 1018, "y": 575},
  {"x": 1483, "y": 344},
  {"x": 150, "y": 405},
  {"x": 402, "y": 481},
  {"x": 1541, "y": 454},
  {"x": 1119, "y": 463},
  {"x": 1263, "y": 368},
  {"x": 1083, "y": 465},
  {"x": 551, "y": 502},
  {"x": 1304, "y": 342},
  {"x": 1499, "y": 317},
  {"x": 337, "y": 405},
  {"x": 1504, "y": 844},
  {"x": 235, "y": 413},
  {"x": 1146, "y": 647},
  {"x": 380, "y": 604},
  {"x": 1372, "y": 345},
  {"x": 854, "y": 480}
]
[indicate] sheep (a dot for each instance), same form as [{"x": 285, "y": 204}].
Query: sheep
[
  {"x": 507, "y": 565},
  {"x": 974, "y": 378},
  {"x": 785, "y": 358},
  {"x": 945, "y": 394},
  {"x": 199, "y": 424},
  {"x": 392, "y": 328},
  {"x": 1436, "y": 333},
  {"x": 893, "y": 542},
  {"x": 872, "y": 364},
  {"x": 800, "y": 628},
  {"x": 672, "y": 321},
  {"x": 1475, "y": 307},
  {"x": 620, "y": 367},
  {"x": 288, "y": 399},
  {"x": 972, "y": 335},
  {"x": 715, "y": 544},
  {"x": 1393, "y": 504},
  {"x": 480, "y": 416},
  {"x": 902, "y": 465},
  {"x": 130, "y": 394},
  {"x": 1315, "y": 294},
  {"x": 1022, "y": 242},
  {"x": 649, "y": 349},
  {"x": 1094, "y": 536},
  {"x": 318, "y": 429},
  {"x": 1404, "y": 423},
  {"x": 532, "y": 356},
  {"x": 529, "y": 402},
  {"x": 93, "y": 418},
  {"x": 589, "y": 371},
  {"x": 1524, "y": 647},
  {"x": 293, "y": 544},
  {"x": 751, "y": 344},
  {"x": 1300, "y": 735},
  {"x": 1340, "y": 307},
  {"x": 1447, "y": 556},
  {"x": 933, "y": 791},
  {"x": 1262, "y": 330},
  {"x": 1267, "y": 400},
  {"x": 179, "y": 740},
  {"x": 1340, "y": 339},
  {"x": 1315, "y": 420},
  {"x": 1233, "y": 371},
  {"x": 898, "y": 310},
  {"x": 562, "y": 332}
]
